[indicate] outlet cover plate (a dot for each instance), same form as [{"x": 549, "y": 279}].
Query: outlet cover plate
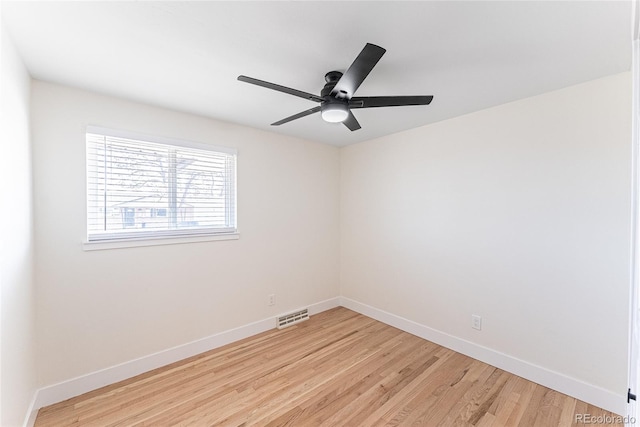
[{"x": 476, "y": 322}]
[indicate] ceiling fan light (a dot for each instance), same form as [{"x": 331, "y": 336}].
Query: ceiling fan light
[{"x": 335, "y": 113}]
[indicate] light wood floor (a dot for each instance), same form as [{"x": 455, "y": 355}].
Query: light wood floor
[{"x": 337, "y": 369}]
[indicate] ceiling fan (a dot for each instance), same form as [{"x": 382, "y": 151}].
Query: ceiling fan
[{"x": 336, "y": 99}]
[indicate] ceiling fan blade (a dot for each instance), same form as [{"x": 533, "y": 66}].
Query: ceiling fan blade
[
  {"x": 297, "y": 116},
  {"x": 358, "y": 71},
  {"x": 388, "y": 101},
  {"x": 279, "y": 88},
  {"x": 351, "y": 122}
]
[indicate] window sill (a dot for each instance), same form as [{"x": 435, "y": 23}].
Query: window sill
[{"x": 134, "y": 243}]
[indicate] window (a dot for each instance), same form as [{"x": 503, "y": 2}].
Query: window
[{"x": 141, "y": 187}]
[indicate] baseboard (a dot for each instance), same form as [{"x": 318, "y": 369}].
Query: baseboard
[
  {"x": 32, "y": 412},
  {"x": 76, "y": 386},
  {"x": 554, "y": 380}
]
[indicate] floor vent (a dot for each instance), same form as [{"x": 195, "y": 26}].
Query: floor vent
[{"x": 292, "y": 318}]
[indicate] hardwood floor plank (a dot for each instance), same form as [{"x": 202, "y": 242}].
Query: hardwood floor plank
[
  {"x": 326, "y": 363},
  {"x": 322, "y": 378},
  {"x": 477, "y": 375},
  {"x": 425, "y": 383},
  {"x": 339, "y": 368},
  {"x": 339, "y": 390},
  {"x": 358, "y": 403},
  {"x": 525, "y": 390},
  {"x": 531, "y": 411}
]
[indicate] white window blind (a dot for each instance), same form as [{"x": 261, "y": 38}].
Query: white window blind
[{"x": 141, "y": 187}]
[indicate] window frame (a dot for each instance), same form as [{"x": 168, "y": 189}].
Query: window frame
[{"x": 158, "y": 237}]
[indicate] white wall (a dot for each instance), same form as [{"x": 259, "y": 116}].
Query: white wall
[
  {"x": 518, "y": 213},
  {"x": 100, "y": 308},
  {"x": 17, "y": 355}
]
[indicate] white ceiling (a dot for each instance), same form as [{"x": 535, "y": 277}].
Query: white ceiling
[{"x": 187, "y": 55}]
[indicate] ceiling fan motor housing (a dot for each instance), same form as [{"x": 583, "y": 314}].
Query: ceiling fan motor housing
[{"x": 332, "y": 77}]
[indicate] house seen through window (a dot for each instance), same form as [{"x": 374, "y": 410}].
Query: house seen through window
[{"x": 146, "y": 187}]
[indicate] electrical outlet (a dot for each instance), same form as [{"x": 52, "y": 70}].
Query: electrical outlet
[
  {"x": 272, "y": 299},
  {"x": 476, "y": 322}
]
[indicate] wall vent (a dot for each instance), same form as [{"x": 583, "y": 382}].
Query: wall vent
[{"x": 292, "y": 318}]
